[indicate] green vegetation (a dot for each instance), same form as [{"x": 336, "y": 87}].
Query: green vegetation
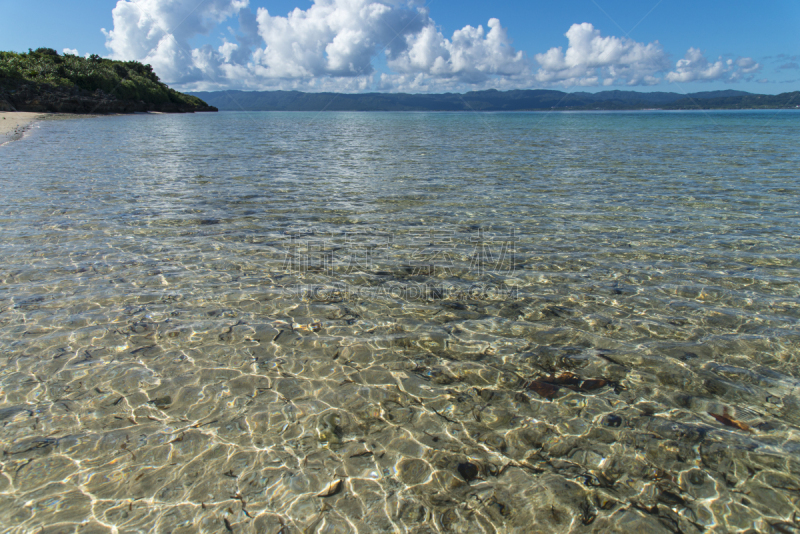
[{"x": 125, "y": 80}]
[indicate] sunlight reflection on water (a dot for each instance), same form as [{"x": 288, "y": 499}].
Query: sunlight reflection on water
[{"x": 421, "y": 322}]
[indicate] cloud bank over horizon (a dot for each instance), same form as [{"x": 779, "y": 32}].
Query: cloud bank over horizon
[{"x": 386, "y": 45}]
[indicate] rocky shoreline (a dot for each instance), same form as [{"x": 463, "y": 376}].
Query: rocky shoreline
[{"x": 45, "y": 98}]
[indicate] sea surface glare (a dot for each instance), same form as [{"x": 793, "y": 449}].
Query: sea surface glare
[{"x": 401, "y": 322}]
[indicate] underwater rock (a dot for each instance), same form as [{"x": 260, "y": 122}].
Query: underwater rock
[
  {"x": 468, "y": 471},
  {"x": 162, "y": 403}
]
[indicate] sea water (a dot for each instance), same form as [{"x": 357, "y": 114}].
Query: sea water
[{"x": 401, "y": 322}]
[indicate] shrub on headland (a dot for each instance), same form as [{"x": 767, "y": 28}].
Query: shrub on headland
[{"x": 48, "y": 71}]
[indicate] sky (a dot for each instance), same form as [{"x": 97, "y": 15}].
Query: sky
[{"x": 423, "y": 46}]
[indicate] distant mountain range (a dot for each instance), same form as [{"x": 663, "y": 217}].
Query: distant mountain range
[{"x": 493, "y": 100}]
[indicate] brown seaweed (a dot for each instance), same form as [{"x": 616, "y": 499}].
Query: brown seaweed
[
  {"x": 549, "y": 386},
  {"x": 726, "y": 420}
]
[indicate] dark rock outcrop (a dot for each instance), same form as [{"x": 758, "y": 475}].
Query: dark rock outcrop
[{"x": 5, "y": 106}]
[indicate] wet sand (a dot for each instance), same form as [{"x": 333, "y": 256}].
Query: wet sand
[{"x": 14, "y": 123}]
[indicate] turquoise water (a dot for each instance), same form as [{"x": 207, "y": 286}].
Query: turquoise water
[{"x": 387, "y": 322}]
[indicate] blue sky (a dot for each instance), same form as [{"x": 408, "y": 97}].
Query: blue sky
[{"x": 391, "y": 45}]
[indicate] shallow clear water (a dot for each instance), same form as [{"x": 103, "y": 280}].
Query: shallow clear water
[{"x": 420, "y": 322}]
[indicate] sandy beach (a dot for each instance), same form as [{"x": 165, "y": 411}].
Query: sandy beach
[{"x": 14, "y": 123}]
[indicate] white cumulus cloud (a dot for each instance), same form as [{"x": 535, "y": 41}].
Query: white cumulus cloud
[
  {"x": 227, "y": 49},
  {"x": 471, "y": 56},
  {"x": 748, "y": 65},
  {"x": 334, "y": 45},
  {"x": 332, "y": 37},
  {"x": 70, "y": 51},
  {"x": 157, "y": 31},
  {"x": 695, "y": 67},
  {"x": 340, "y": 38},
  {"x": 591, "y": 59}
]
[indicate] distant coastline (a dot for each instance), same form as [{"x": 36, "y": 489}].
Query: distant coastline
[{"x": 493, "y": 100}]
